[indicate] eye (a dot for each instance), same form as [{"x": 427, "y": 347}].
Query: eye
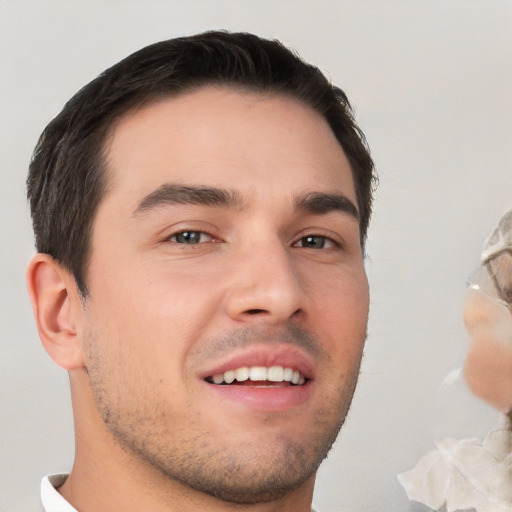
[
  {"x": 315, "y": 242},
  {"x": 190, "y": 237}
]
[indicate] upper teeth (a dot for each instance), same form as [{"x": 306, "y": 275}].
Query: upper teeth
[{"x": 260, "y": 373}]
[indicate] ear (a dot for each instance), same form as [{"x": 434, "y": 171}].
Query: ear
[{"x": 57, "y": 309}]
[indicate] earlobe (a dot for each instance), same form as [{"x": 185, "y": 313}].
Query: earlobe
[{"x": 57, "y": 310}]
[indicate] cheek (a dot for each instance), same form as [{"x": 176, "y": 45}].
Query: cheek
[
  {"x": 342, "y": 314},
  {"x": 155, "y": 296},
  {"x": 345, "y": 299}
]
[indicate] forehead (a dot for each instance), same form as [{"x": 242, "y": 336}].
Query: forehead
[{"x": 225, "y": 137}]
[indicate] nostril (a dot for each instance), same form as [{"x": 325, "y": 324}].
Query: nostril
[{"x": 255, "y": 311}]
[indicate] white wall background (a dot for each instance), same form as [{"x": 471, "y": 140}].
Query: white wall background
[{"x": 432, "y": 84}]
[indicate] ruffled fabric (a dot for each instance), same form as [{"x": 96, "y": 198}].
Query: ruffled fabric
[
  {"x": 500, "y": 239},
  {"x": 465, "y": 474}
]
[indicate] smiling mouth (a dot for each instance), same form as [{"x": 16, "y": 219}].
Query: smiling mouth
[{"x": 259, "y": 376}]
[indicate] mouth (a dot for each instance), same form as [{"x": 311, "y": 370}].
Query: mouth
[
  {"x": 263, "y": 378},
  {"x": 259, "y": 377}
]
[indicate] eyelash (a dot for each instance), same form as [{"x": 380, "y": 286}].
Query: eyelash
[{"x": 191, "y": 234}]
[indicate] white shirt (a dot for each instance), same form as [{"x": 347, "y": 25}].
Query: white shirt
[{"x": 52, "y": 500}]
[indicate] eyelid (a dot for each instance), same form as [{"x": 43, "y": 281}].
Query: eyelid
[{"x": 170, "y": 229}]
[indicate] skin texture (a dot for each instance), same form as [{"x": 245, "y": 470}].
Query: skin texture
[
  {"x": 151, "y": 434},
  {"x": 488, "y": 366}
]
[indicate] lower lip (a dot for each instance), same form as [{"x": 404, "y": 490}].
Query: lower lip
[{"x": 264, "y": 399}]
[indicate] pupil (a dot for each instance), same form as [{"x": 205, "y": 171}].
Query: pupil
[
  {"x": 315, "y": 242},
  {"x": 188, "y": 237}
]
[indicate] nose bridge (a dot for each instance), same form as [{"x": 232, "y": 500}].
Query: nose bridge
[{"x": 266, "y": 285}]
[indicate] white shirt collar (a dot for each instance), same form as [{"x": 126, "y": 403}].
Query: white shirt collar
[{"x": 52, "y": 500}]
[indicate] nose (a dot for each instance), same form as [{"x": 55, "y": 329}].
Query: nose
[{"x": 266, "y": 287}]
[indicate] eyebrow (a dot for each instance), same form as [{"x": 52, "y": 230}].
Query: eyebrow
[
  {"x": 170, "y": 194},
  {"x": 323, "y": 202}
]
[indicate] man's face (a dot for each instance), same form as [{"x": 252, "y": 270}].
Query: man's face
[{"x": 227, "y": 244}]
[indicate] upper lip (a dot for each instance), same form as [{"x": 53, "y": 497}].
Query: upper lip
[{"x": 287, "y": 356}]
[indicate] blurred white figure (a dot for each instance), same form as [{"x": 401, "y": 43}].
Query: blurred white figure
[{"x": 469, "y": 474}]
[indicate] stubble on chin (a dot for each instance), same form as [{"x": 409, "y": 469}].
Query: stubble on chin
[
  {"x": 188, "y": 451},
  {"x": 245, "y": 474}
]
